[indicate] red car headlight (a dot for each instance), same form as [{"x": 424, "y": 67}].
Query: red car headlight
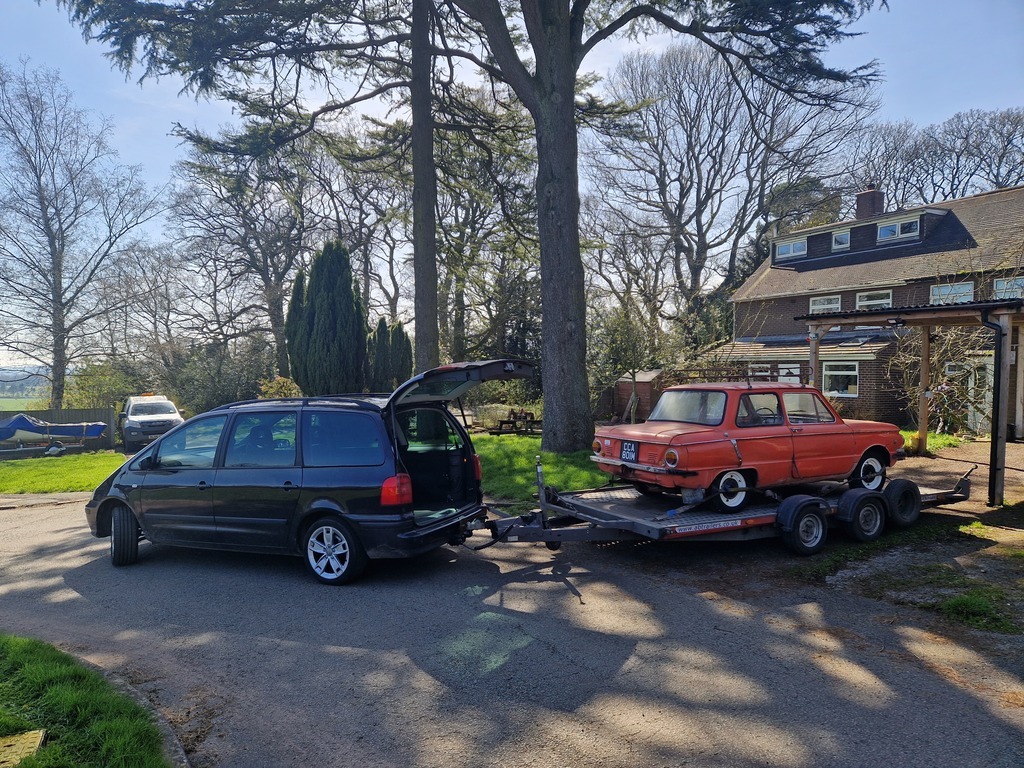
[{"x": 672, "y": 458}]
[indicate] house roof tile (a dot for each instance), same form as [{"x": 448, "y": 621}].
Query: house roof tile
[{"x": 984, "y": 232}]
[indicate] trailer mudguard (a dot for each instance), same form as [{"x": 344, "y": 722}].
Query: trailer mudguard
[
  {"x": 849, "y": 501},
  {"x": 789, "y": 507}
]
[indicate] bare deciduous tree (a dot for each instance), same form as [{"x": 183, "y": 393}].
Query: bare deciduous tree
[{"x": 67, "y": 210}]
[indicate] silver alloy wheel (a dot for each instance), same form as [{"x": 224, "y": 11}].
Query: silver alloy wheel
[{"x": 328, "y": 551}]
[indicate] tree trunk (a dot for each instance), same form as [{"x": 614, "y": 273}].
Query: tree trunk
[
  {"x": 275, "y": 310},
  {"x": 568, "y": 425},
  {"x": 424, "y": 195}
]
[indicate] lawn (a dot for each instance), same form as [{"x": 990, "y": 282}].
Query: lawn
[
  {"x": 58, "y": 474},
  {"x": 509, "y": 466}
]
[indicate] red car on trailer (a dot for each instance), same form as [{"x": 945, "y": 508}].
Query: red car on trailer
[{"x": 726, "y": 439}]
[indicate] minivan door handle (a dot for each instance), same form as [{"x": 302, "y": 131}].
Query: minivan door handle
[
  {"x": 289, "y": 485},
  {"x": 203, "y": 485}
]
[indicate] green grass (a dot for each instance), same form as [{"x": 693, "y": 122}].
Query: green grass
[
  {"x": 17, "y": 403},
  {"x": 936, "y": 441},
  {"x": 87, "y": 722},
  {"x": 58, "y": 474},
  {"x": 509, "y": 467}
]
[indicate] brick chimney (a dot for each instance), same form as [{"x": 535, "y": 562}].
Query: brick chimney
[{"x": 870, "y": 202}]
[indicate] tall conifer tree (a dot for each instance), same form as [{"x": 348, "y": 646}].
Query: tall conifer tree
[{"x": 327, "y": 327}]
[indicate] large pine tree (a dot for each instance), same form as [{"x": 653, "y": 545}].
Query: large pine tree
[{"x": 326, "y": 327}]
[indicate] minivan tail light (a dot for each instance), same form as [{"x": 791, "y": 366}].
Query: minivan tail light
[
  {"x": 478, "y": 471},
  {"x": 396, "y": 490}
]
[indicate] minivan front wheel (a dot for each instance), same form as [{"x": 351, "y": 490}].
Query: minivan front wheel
[
  {"x": 124, "y": 536},
  {"x": 333, "y": 554}
]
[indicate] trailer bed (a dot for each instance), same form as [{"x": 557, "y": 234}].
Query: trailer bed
[{"x": 620, "y": 512}]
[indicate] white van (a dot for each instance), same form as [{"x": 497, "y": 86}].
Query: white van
[{"x": 144, "y": 418}]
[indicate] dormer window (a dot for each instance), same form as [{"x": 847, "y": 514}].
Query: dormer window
[
  {"x": 791, "y": 249},
  {"x": 899, "y": 230},
  {"x": 841, "y": 241}
]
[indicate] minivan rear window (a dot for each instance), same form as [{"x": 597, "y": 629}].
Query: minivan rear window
[{"x": 340, "y": 439}]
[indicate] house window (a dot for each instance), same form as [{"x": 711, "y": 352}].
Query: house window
[
  {"x": 874, "y": 300},
  {"x": 791, "y": 249},
  {"x": 820, "y": 304},
  {"x": 840, "y": 379},
  {"x": 1012, "y": 288},
  {"x": 841, "y": 241},
  {"x": 954, "y": 293},
  {"x": 898, "y": 230}
]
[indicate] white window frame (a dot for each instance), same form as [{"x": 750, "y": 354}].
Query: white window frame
[
  {"x": 841, "y": 246},
  {"x": 898, "y": 233},
  {"x": 840, "y": 368},
  {"x": 825, "y": 304},
  {"x": 794, "y": 249},
  {"x": 951, "y": 293},
  {"x": 877, "y": 303},
  {"x": 760, "y": 371},
  {"x": 1008, "y": 288}
]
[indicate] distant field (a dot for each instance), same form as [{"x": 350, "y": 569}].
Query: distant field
[{"x": 16, "y": 403}]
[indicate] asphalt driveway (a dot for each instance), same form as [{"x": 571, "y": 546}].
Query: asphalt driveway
[{"x": 612, "y": 655}]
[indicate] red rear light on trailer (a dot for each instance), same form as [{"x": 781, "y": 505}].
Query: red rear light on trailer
[
  {"x": 396, "y": 490},
  {"x": 478, "y": 471}
]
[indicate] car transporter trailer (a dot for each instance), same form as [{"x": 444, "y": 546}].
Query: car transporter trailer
[{"x": 620, "y": 513}]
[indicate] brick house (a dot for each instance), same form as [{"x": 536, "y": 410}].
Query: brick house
[{"x": 852, "y": 284}]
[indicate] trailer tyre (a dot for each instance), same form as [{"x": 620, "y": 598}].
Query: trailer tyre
[
  {"x": 904, "y": 499},
  {"x": 804, "y": 527},
  {"x": 863, "y": 513}
]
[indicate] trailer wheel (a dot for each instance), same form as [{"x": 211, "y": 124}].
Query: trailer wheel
[
  {"x": 807, "y": 529},
  {"x": 554, "y": 546},
  {"x": 863, "y": 513},
  {"x": 731, "y": 491},
  {"x": 904, "y": 499}
]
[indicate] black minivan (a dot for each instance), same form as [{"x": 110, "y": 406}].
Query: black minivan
[{"x": 337, "y": 480}]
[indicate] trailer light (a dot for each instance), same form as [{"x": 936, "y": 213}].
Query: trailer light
[{"x": 671, "y": 458}]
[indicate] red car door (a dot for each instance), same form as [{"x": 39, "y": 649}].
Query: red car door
[
  {"x": 762, "y": 438},
  {"x": 822, "y": 444}
]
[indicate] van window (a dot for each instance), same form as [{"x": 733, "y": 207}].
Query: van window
[
  {"x": 262, "y": 440},
  {"x": 340, "y": 439},
  {"x": 193, "y": 446}
]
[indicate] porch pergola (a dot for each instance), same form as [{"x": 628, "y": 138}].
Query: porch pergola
[{"x": 999, "y": 316}]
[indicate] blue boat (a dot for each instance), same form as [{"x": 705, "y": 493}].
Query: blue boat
[{"x": 27, "y": 429}]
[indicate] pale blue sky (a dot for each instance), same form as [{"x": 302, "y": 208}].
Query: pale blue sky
[{"x": 939, "y": 57}]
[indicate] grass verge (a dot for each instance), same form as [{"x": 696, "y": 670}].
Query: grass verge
[
  {"x": 87, "y": 722},
  {"x": 58, "y": 474},
  {"x": 989, "y": 597}
]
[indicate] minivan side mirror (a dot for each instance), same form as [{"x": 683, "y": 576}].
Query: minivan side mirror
[{"x": 147, "y": 463}]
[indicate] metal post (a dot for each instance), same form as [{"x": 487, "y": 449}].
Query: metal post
[{"x": 922, "y": 402}]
